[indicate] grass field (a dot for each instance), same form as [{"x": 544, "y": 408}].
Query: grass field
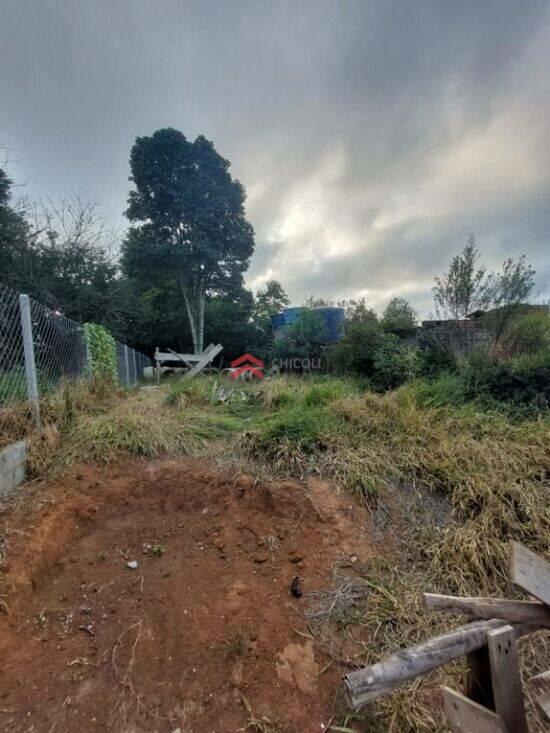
[{"x": 456, "y": 484}]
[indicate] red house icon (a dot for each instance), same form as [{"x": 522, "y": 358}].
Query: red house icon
[{"x": 247, "y": 363}]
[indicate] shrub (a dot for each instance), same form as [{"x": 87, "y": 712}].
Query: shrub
[
  {"x": 444, "y": 390},
  {"x": 324, "y": 392},
  {"x": 399, "y": 318},
  {"x": 525, "y": 334},
  {"x": 435, "y": 355},
  {"x": 393, "y": 364},
  {"x": 102, "y": 351},
  {"x": 300, "y": 426},
  {"x": 356, "y": 352},
  {"x": 523, "y": 380}
]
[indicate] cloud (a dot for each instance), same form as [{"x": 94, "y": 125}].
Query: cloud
[{"x": 372, "y": 137}]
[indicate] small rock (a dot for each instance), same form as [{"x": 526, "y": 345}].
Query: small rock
[
  {"x": 132, "y": 565},
  {"x": 353, "y": 559}
]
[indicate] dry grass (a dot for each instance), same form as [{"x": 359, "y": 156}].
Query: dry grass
[
  {"x": 342, "y": 604},
  {"x": 494, "y": 471}
]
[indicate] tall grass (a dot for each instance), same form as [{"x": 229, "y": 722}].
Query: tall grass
[{"x": 494, "y": 471}]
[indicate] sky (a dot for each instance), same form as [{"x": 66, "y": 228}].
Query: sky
[{"x": 372, "y": 137}]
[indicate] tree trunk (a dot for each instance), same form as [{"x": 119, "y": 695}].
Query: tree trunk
[
  {"x": 201, "y": 321},
  {"x": 194, "y": 298}
]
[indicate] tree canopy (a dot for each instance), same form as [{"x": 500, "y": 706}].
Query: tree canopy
[
  {"x": 188, "y": 222},
  {"x": 467, "y": 286},
  {"x": 399, "y": 318}
]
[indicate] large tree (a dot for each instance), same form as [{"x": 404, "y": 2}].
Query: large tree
[
  {"x": 16, "y": 254},
  {"x": 75, "y": 271},
  {"x": 58, "y": 252},
  {"x": 189, "y": 224},
  {"x": 399, "y": 317}
]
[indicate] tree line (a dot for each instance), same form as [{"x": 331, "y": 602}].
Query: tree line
[{"x": 177, "y": 277}]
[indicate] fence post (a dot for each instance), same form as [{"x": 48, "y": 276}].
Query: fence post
[
  {"x": 135, "y": 366},
  {"x": 28, "y": 347},
  {"x": 126, "y": 366},
  {"x": 88, "y": 355}
]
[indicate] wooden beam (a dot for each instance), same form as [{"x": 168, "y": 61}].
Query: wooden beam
[
  {"x": 527, "y": 612},
  {"x": 175, "y": 356},
  {"x": 541, "y": 681},
  {"x": 531, "y": 572},
  {"x": 467, "y": 716},
  {"x": 543, "y": 702},
  {"x": 207, "y": 356},
  {"x": 507, "y": 690},
  {"x": 369, "y": 683},
  {"x": 180, "y": 357}
]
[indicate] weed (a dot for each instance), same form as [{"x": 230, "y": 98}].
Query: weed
[
  {"x": 236, "y": 646},
  {"x": 258, "y": 725},
  {"x": 341, "y": 604}
]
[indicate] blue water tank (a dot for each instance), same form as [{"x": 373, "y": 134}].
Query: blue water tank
[
  {"x": 333, "y": 319},
  {"x": 291, "y": 315},
  {"x": 277, "y": 321}
]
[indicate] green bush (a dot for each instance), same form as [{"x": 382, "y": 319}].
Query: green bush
[
  {"x": 356, "y": 351},
  {"x": 299, "y": 426},
  {"x": 103, "y": 354},
  {"x": 444, "y": 390},
  {"x": 526, "y": 334},
  {"x": 324, "y": 392},
  {"x": 524, "y": 380},
  {"x": 393, "y": 364},
  {"x": 435, "y": 355}
]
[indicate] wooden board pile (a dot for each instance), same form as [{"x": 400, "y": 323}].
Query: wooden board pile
[{"x": 493, "y": 701}]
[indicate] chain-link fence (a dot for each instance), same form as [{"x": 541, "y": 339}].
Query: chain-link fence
[
  {"x": 39, "y": 347},
  {"x": 13, "y": 384},
  {"x": 130, "y": 364}
]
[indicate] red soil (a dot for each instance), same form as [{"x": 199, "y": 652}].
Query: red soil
[{"x": 205, "y": 622}]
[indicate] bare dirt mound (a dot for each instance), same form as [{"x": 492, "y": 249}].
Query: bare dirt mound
[{"x": 203, "y": 635}]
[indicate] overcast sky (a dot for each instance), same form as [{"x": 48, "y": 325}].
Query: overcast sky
[{"x": 372, "y": 137}]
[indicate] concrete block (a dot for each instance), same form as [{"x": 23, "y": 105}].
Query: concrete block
[{"x": 13, "y": 466}]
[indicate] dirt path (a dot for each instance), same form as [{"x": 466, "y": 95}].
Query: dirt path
[{"x": 205, "y": 625}]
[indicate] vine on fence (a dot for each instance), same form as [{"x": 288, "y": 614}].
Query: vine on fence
[{"x": 102, "y": 348}]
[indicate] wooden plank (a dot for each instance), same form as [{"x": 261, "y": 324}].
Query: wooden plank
[
  {"x": 541, "y": 681},
  {"x": 206, "y": 358},
  {"x": 179, "y": 357},
  {"x": 507, "y": 690},
  {"x": 175, "y": 356},
  {"x": 367, "y": 684},
  {"x": 527, "y": 612},
  {"x": 543, "y": 702},
  {"x": 531, "y": 572},
  {"x": 467, "y": 716}
]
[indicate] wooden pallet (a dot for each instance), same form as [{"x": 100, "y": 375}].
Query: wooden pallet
[{"x": 494, "y": 700}]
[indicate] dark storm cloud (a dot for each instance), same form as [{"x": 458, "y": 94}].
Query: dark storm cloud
[{"x": 372, "y": 137}]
